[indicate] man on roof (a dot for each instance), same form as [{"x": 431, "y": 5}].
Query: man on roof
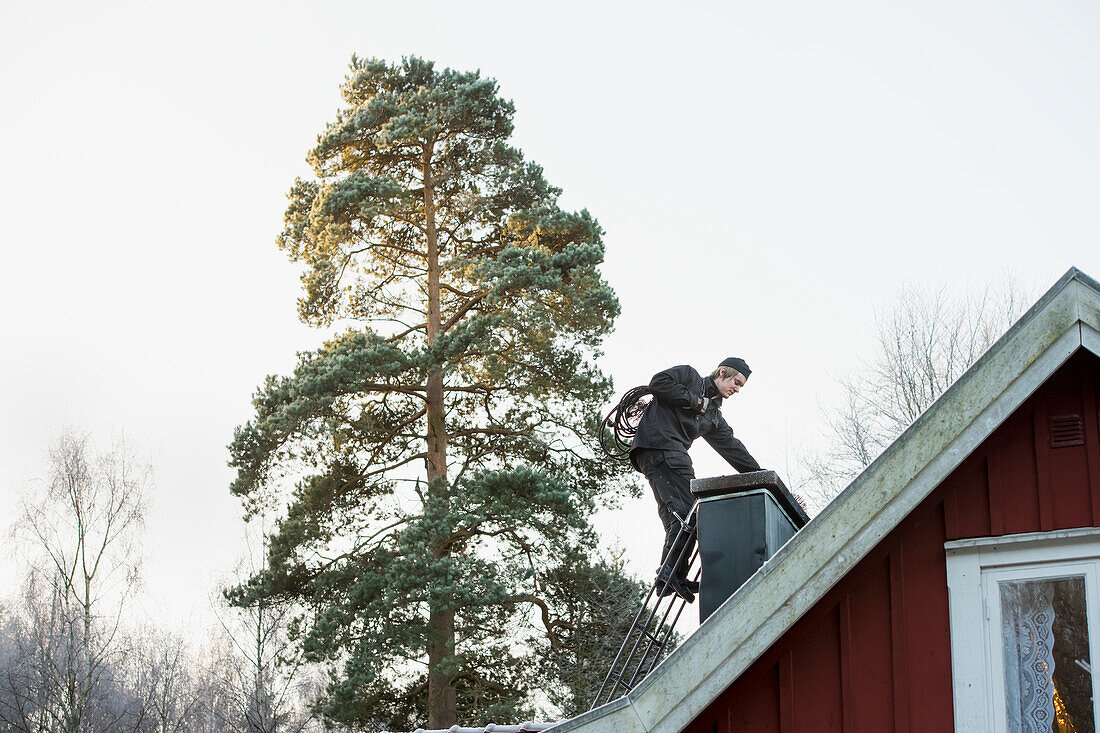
[{"x": 685, "y": 406}]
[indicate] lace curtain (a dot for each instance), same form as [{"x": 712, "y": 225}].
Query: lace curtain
[{"x": 1027, "y": 629}]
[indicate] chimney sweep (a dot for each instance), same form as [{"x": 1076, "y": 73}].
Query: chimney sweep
[{"x": 684, "y": 406}]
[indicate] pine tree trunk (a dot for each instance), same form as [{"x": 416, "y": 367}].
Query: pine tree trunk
[
  {"x": 442, "y": 700},
  {"x": 437, "y": 430},
  {"x": 442, "y": 697}
]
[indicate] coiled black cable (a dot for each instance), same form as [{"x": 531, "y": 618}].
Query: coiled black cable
[{"x": 618, "y": 428}]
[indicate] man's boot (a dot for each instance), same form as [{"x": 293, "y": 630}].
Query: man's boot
[{"x": 667, "y": 584}]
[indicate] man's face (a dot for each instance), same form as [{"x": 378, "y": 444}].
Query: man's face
[{"x": 731, "y": 385}]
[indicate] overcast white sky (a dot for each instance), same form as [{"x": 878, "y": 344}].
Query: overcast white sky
[{"x": 767, "y": 172}]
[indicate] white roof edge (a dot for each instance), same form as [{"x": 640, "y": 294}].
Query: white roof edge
[{"x": 1064, "y": 319}]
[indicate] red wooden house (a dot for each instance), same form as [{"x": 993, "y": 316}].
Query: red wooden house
[{"x": 954, "y": 585}]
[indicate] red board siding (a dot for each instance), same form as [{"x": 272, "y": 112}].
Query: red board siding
[
  {"x": 815, "y": 662},
  {"x": 756, "y": 707},
  {"x": 874, "y": 654},
  {"x": 867, "y": 611}
]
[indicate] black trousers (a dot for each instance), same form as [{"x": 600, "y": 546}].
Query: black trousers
[{"x": 669, "y": 474}]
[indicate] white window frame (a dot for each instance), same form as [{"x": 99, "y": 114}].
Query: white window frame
[{"x": 975, "y": 567}]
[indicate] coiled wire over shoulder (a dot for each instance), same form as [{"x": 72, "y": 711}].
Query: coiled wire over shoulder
[{"x": 620, "y": 425}]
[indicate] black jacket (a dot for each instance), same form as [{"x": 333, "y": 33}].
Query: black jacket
[{"x": 673, "y": 420}]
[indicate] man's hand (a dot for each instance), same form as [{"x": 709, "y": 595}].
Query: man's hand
[{"x": 700, "y": 406}]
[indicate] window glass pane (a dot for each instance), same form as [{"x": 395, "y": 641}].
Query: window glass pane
[{"x": 1044, "y": 632}]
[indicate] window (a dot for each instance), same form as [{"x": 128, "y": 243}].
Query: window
[{"x": 1025, "y": 622}]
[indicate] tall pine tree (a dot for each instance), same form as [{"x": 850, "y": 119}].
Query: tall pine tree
[{"x": 436, "y": 459}]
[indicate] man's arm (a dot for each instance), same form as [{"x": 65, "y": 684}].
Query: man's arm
[
  {"x": 680, "y": 386},
  {"x": 730, "y": 448}
]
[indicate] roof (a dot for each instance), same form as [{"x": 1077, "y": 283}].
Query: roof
[
  {"x": 492, "y": 728},
  {"x": 1065, "y": 319}
]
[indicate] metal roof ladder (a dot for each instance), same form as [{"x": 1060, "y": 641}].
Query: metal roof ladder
[{"x": 651, "y": 631}]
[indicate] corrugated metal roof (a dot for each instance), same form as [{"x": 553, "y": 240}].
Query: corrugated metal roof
[{"x": 492, "y": 728}]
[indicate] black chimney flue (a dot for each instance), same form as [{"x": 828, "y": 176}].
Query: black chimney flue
[{"x": 743, "y": 519}]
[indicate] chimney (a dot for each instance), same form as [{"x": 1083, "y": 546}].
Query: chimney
[{"x": 742, "y": 520}]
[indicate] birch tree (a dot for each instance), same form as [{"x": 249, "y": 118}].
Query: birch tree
[
  {"x": 81, "y": 531},
  {"x": 924, "y": 339}
]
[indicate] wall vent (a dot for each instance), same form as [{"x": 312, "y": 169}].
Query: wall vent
[{"x": 1066, "y": 431}]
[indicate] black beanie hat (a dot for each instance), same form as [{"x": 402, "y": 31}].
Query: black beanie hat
[{"x": 736, "y": 362}]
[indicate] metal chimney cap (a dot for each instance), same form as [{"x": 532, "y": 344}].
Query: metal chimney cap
[{"x": 739, "y": 483}]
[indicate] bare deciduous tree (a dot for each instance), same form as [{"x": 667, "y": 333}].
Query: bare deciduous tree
[
  {"x": 262, "y": 677},
  {"x": 925, "y": 340},
  {"x": 72, "y": 660},
  {"x": 160, "y": 672},
  {"x": 81, "y": 531}
]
